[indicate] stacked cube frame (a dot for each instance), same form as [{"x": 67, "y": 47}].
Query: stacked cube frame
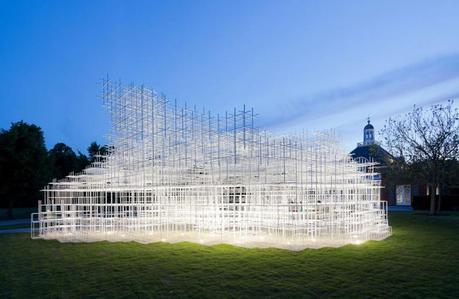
[{"x": 173, "y": 173}]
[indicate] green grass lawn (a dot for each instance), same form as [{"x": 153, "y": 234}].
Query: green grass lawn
[{"x": 420, "y": 260}]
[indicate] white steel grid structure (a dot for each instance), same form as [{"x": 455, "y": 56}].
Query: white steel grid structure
[{"x": 178, "y": 174}]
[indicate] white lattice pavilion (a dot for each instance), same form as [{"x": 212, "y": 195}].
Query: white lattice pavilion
[{"x": 177, "y": 174}]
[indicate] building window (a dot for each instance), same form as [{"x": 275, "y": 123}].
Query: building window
[
  {"x": 437, "y": 191},
  {"x": 403, "y": 196}
]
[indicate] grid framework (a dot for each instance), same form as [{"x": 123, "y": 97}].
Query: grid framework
[{"x": 173, "y": 173}]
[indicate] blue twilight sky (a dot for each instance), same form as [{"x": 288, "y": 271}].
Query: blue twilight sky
[{"x": 300, "y": 64}]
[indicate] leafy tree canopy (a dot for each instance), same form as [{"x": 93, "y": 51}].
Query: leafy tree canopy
[{"x": 24, "y": 168}]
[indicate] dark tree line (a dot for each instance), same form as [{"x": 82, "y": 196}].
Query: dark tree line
[{"x": 26, "y": 166}]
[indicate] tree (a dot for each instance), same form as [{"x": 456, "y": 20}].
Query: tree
[
  {"x": 95, "y": 150},
  {"x": 23, "y": 165},
  {"x": 63, "y": 160},
  {"x": 425, "y": 141},
  {"x": 82, "y": 162}
]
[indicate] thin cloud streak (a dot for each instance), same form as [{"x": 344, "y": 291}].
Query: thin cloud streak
[{"x": 395, "y": 84}]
